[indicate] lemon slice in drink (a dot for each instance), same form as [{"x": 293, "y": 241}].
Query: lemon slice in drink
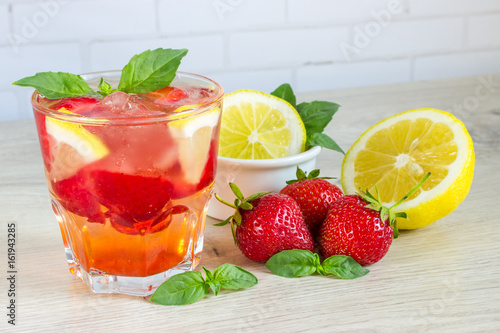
[
  {"x": 193, "y": 135},
  {"x": 74, "y": 148},
  {"x": 256, "y": 125},
  {"x": 394, "y": 155}
]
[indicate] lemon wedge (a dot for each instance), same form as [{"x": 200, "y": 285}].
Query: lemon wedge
[
  {"x": 256, "y": 125},
  {"x": 74, "y": 148},
  {"x": 194, "y": 135},
  {"x": 394, "y": 155}
]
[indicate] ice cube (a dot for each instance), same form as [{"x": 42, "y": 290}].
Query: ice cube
[{"x": 121, "y": 104}]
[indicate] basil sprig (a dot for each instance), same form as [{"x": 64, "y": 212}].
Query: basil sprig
[
  {"x": 296, "y": 263},
  {"x": 189, "y": 287},
  {"x": 148, "y": 71},
  {"x": 57, "y": 85},
  {"x": 315, "y": 115}
]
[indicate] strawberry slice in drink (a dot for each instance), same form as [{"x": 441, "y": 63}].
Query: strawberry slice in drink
[
  {"x": 127, "y": 225},
  {"x": 46, "y": 140},
  {"x": 75, "y": 195},
  {"x": 167, "y": 95},
  {"x": 139, "y": 198},
  {"x": 80, "y": 105}
]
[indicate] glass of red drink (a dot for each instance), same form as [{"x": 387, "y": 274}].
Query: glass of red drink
[{"x": 130, "y": 177}]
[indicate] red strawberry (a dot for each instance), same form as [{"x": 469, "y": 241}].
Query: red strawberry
[
  {"x": 267, "y": 224},
  {"x": 314, "y": 196},
  {"x": 208, "y": 174},
  {"x": 126, "y": 224},
  {"x": 75, "y": 195},
  {"x": 354, "y": 230},
  {"x": 167, "y": 95},
  {"x": 360, "y": 227},
  {"x": 45, "y": 139},
  {"x": 139, "y": 197},
  {"x": 78, "y": 105}
]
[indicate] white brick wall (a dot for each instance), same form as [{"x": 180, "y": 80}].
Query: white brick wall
[
  {"x": 482, "y": 30},
  {"x": 288, "y": 47},
  {"x": 4, "y": 23},
  {"x": 337, "y": 12},
  {"x": 254, "y": 44},
  {"x": 457, "y": 64},
  {"x": 426, "y": 8},
  {"x": 353, "y": 74},
  {"x": 71, "y": 20},
  {"x": 202, "y": 16}
]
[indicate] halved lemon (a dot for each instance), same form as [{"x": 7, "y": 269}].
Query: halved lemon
[
  {"x": 256, "y": 125},
  {"x": 74, "y": 146},
  {"x": 394, "y": 155},
  {"x": 193, "y": 135}
]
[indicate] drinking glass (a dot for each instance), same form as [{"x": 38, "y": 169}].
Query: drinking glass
[{"x": 130, "y": 178}]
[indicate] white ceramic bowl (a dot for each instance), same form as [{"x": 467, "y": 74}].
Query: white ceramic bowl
[{"x": 253, "y": 176}]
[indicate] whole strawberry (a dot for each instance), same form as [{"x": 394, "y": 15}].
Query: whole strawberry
[
  {"x": 314, "y": 196},
  {"x": 360, "y": 227},
  {"x": 265, "y": 224}
]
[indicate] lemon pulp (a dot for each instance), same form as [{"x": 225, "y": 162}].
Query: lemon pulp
[
  {"x": 75, "y": 146},
  {"x": 394, "y": 155},
  {"x": 256, "y": 125},
  {"x": 193, "y": 135}
]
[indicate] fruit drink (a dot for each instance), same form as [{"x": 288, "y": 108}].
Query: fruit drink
[{"x": 130, "y": 177}]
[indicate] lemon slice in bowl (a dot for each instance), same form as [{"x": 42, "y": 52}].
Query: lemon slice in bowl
[
  {"x": 73, "y": 147},
  {"x": 193, "y": 135},
  {"x": 256, "y": 125},
  {"x": 394, "y": 155}
]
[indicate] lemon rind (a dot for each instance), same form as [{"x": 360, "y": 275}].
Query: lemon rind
[
  {"x": 253, "y": 96},
  {"x": 455, "y": 186}
]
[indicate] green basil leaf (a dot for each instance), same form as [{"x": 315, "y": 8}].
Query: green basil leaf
[
  {"x": 184, "y": 288},
  {"x": 105, "y": 88},
  {"x": 209, "y": 279},
  {"x": 57, "y": 85},
  {"x": 322, "y": 140},
  {"x": 344, "y": 267},
  {"x": 293, "y": 263},
  {"x": 285, "y": 92},
  {"x": 150, "y": 70},
  {"x": 233, "y": 277},
  {"x": 316, "y": 115}
]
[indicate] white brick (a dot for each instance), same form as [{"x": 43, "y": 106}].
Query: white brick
[
  {"x": 341, "y": 11},
  {"x": 73, "y": 20},
  {"x": 205, "y": 52},
  {"x": 408, "y": 38},
  {"x": 455, "y": 65},
  {"x": 353, "y": 74},
  {"x": 9, "y": 108},
  {"x": 286, "y": 47},
  {"x": 189, "y": 16},
  {"x": 32, "y": 58},
  {"x": 4, "y": 24},
  {"x": 428, "y": 8},
  {"x": 483, "y": 31},
  {"x": 262, "y": 80}
]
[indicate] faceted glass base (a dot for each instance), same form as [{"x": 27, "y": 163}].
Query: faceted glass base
[{"x": 101, "y": 282}]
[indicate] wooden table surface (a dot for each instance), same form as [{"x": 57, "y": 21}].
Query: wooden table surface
[{"x": 445, "y": 277}]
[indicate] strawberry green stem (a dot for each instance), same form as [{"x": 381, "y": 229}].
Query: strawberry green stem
[
  {"x": 388, "y": 214},
  {"x": 409, "y": 194},
  {"x": 224, "y": 201}
]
